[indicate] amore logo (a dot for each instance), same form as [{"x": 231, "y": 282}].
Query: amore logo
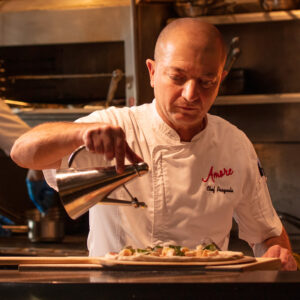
[{"x": 212, "y": 174}]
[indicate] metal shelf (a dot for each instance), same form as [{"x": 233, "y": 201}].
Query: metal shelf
[
  {"x": 283, "y": 15},
  {"x": 40, "y": 22},
  {"x": 258, "y": 99}
]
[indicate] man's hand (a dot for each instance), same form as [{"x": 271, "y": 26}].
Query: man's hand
[
  {"x": 288, "y": 262},
  {"x": 280, "y": 247},
  {"x": 110, "y": 141},
  {"x": 45, "y": 145}
]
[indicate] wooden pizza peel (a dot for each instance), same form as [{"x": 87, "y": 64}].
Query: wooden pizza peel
[{"x": 246, "y": 263}]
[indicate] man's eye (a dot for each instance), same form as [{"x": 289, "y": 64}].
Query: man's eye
[
  {"x": 208, "y": 84},
  {"x": 177, "y": 78}
]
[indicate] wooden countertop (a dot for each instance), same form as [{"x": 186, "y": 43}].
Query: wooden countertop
[
  {"x": 20, "y": 245},
  {"x": 155, "y": 284}
]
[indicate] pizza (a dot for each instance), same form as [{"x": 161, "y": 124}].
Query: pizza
[{"x": 173, "y": 253}]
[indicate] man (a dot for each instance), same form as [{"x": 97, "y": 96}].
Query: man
[{"x": 203, "y": 170}]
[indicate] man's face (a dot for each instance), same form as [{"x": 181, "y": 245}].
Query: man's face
[{"x": 186, "y": 81}]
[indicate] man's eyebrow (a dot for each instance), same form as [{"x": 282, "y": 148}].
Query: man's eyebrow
[
  {"x": 210, "y": 74},
  {"x": 175, "y": 69}
]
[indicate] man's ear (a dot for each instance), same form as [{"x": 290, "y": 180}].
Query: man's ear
[
  {"x": 151, "y": 69},
  {"x": 224, "y": 74}
]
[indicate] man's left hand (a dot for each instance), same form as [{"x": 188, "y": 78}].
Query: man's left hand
[{"x": 288, "y": 262}]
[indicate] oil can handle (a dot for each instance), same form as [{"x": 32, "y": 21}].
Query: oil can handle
[{"x": 72, "y": 156}]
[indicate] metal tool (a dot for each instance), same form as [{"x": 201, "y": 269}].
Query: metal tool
[
  {"x": 80, "y": 189},
  {"x": 232, "y": 58},
  {"x": 116, "y": 77},
  {"x": 233, "y": 44}
]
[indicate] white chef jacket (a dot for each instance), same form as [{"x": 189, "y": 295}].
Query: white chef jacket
[
  {"x": 192, "y": 190},
  {"x": 11, "y": 127}
]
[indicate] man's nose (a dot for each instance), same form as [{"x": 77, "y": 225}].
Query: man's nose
[{"x": 190, "y": 91}]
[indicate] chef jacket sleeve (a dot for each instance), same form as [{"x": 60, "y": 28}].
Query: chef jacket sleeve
[{"x": 255, "y": 214}]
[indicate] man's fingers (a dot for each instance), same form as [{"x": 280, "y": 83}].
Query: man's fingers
[
  {"x": 92, "y": 142},
  {"x": 120, "y": 149},
  {"x": 292, "y": 264},
  {"x": 88, "y": 141},
  {"x": 288, "y": 262},
  {"x": 132, "y": 156},
  {"x": 110, "y": 141},
  {"x": 284, "y": 258},
  {"x": 273, "y": 251},
  {"x": 109, "y": 146}
]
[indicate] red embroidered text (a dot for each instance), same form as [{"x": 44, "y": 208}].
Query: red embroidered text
[{"x": 212, "y": 174}]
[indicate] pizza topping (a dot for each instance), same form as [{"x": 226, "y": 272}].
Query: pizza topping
[
  {"x": 166, "y": 251},
  {"x": 184, "y": 249},
  {"x": 211, "y": 247},
  {"x": 126, "y": 252},
  {"x": 190, "y": 253},
  {"x": 112, "y": 255},
  {"x": 173, "y": 253}
]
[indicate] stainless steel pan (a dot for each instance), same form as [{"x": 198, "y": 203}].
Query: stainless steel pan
[{"x": 49, "y": 228}]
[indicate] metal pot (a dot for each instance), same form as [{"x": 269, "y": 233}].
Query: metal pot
[
  {"x": 48, "y": 228},
  {"x": 195, "y": 8},
  {"x": 234, "y": 83},
  {"x": 269, "y": 5}
]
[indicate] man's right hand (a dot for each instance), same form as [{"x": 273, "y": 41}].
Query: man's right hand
[{"x": 111, "y": 142}]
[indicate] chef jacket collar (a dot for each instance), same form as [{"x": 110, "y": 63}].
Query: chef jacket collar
[{"x": 162, "y": 128}]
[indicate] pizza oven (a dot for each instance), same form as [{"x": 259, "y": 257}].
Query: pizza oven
[
  {"x": 63, "y": 54},
  {"x": 76, "y": 74}
]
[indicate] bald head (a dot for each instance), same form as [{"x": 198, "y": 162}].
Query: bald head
[{"x": 191, "y": 31}]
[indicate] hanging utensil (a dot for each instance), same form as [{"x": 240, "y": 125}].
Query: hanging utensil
[{"x": 232, "y": 59}]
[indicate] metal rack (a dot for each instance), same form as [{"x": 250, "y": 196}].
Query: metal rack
[
  {"x": 255, "y": 17},
  {"x": 258, "y": 99},
  {"x": 274, "y": 16},
  {"x": 69, "y": 22}
]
